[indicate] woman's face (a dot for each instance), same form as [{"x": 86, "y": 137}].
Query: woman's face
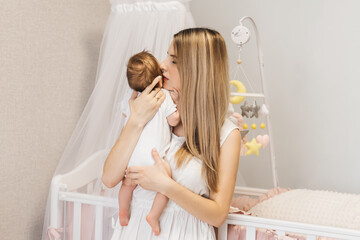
[{"x": 170, "y": 72}]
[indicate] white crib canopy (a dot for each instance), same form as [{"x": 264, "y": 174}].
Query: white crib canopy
[{"x": 131, "y": 27}]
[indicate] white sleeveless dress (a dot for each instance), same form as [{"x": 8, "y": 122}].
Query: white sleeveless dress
[{"x": 175, "y": 222}]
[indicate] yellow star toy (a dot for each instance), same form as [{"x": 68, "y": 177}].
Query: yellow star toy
[{"x": 252, "y": 147}]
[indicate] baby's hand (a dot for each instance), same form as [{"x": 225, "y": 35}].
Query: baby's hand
[{"x": 175, "y": 96}]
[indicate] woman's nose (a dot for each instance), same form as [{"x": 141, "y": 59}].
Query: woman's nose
[{"x": 163, "y": 66}]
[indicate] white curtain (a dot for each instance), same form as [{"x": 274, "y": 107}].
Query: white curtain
[{"x": 132, "y": 27}]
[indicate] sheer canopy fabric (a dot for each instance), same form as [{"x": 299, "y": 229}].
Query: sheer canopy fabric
[{"x": 131, "y": 27}]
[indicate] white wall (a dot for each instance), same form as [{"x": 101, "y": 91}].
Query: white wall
[{"x": 311, "y": 55}]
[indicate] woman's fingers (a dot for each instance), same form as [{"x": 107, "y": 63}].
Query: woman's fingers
[
  {"x": 133, "y": 177},
  {"x": 134, "y": 169},
  {"x": 131, "y": 182},
  {"x": 160, "y": 98},
  {"x": 134, "y": 95},
  {"x": 175, "y": 97},
  {"x": 150, "y": 177},
  {"x": 153, "y": 84},
  {"x": 156, "y": 156},
  {"x": 144, "y": 107},
  {"x": 127, "y": 181},
  {"x": 158, "y": 160},
  {"x": 155, "y": 93}
]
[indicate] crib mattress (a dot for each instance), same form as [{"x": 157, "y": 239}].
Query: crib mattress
[{"x": 314, "y": 207}]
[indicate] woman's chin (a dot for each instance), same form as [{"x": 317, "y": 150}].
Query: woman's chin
[{"x": 167, "y": 87}]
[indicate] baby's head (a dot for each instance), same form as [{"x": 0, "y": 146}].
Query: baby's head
[{"x": 142, "y": 69}]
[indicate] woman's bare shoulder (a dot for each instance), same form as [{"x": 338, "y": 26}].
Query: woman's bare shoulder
[{"x": 228, "y": 128}]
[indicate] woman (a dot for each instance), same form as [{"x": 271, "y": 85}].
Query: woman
[{"x": 204, "y": 150}]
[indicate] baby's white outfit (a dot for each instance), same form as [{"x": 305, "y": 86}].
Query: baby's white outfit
[{"x": 156, "y": 134}]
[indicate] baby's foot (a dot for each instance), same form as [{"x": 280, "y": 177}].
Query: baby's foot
[
  {"x": 154, "y": 223},
  {"x": 124, "y": 217}
]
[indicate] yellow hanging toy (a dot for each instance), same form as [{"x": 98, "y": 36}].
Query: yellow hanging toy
[
  {"x": 253, "y": 147},
  {"x": 240, "y": 88}
]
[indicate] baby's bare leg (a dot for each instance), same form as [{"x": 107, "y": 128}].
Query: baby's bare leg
[
  {"x": 157, "y": 208},
  {"x": 125, "y": 195}
]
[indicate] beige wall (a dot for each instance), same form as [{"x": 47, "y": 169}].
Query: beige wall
[{"x": 48, "y": 60}]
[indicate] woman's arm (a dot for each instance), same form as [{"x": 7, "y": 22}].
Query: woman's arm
[
  {"x": 142, "y": 109},
  {"x": 213, "y": 210}
]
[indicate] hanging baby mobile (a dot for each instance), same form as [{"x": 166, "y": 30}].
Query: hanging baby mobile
[{"x": 250, "y": 110}]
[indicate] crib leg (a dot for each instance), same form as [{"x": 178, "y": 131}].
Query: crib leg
[
  {"x": 98, "y": 222},
  {"x": 77, "y": 221},
  {"x": 222, "y": 231},
  {"x": 310, "y": 237},
  {"x": 250, "y": 233},
  {"x": 64, "y": 223},
  {"x": 280, "y": 233}
]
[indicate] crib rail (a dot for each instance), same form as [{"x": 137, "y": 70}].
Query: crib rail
[
  {"x": 88, "y": 199},
  {"x": 282, "y": 227},
  {"x": 251, "y": 223},
  {"x": 98, "y": 201},
  {"x": 256, "y": 192}
]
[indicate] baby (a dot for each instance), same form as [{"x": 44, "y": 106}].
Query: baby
[{"x": 142, "y": 68}]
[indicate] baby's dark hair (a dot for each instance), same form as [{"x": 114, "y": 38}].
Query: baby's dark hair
[{"x": 142, "y": 69}]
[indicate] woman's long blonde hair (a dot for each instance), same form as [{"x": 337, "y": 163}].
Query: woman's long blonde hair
[{"x": 204, "y": 72}]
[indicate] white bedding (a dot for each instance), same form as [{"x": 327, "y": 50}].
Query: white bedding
[{"x": 314, "y": 207}]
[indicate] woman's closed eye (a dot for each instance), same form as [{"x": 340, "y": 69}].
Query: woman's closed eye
[{"x": 173, "y": 57}]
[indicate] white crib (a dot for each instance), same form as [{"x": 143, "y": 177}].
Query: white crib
[
  {"x": 311, "y": 231},
  {"x": 63, "y": 189}
]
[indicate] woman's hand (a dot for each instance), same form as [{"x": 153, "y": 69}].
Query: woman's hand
[
  {"x": 144, "y": 107},
  {"x": 154, "y": 177},
  {"x": 175, "y": 95}
]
